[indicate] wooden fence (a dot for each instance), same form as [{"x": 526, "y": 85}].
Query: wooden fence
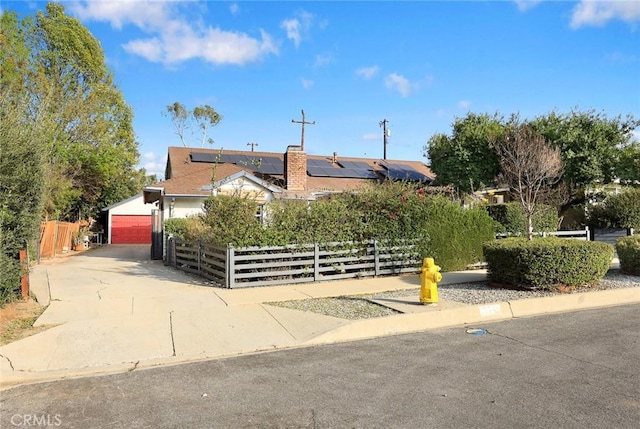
[
  {"x": 56, "y": 237},
  {"x": 264, "y": 266}
]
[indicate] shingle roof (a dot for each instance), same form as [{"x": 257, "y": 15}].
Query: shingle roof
[{"x": 184, "y": 177}]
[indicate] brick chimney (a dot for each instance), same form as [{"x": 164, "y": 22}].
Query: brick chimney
[{"x": 295, "y": 168}]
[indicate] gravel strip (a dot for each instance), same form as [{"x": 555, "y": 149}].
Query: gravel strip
[{"x": 359, "y": 307}]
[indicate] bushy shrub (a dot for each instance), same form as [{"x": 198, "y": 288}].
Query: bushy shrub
[
  {"x": 510, "y": 218},
  {"x": 547, "y": 262},
  {"x": 393, "y": 213},
  {"x": 456, "y": 234},
  {"x": 231, "y": 220},
  {"x": 628, "y": 249},
  {"x": 617, "y": 211},
  {"x": 176, "y": 226}
]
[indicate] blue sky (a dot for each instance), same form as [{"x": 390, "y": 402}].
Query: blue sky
[{"x": 351, "y": 64}]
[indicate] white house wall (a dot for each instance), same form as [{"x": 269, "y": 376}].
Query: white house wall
[{"x": 131, "y": 206}]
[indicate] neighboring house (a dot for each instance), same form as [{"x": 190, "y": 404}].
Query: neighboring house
[
  {"x": 128, "y": 221},
  {"x": 193, "y": 174}
]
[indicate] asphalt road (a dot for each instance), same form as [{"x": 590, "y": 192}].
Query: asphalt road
[{"x": 573, "y": 370}]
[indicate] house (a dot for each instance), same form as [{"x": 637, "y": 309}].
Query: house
[{"x": 193, "y": 174}]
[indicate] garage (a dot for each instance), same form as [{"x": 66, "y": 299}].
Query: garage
[
  {"x": 130, "y": 229},
  {"x": 128, "y": 221}
]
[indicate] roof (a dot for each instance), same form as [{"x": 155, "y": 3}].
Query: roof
[{"x": 189, "y": 174}]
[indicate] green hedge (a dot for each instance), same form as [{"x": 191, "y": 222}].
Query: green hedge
[
  {"x": 510, "y": 218},
  {"x": 617, "y": 211},
  {"x": 547, "y": 262},
  {"x": 392, "y": 212},
  {"x": 456, "y": 234},
  {"x": 628, "y": 249}
]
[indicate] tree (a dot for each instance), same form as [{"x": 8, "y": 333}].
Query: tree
[
  {"x": 466, "y": 159},
  {"x": 529, "y": 165},
  {"x": 592, "y": 146},
  {"x": 183, "y": 119},
  {"x": 55, "y": 68},
  {"x": 594, "y": 149}
]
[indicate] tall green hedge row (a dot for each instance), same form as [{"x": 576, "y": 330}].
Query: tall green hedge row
[
  {"x": 547, "y": 262},
  {"x": 510, "y": 218},
  {"x": 393, "y": 212},
  {"x": 628, "y": 249}
]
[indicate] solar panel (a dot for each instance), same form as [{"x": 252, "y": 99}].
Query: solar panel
[
  {"x": 364, "y": 174},
  {"x": 232, "y": 159},
  {"x": 355, "y": 165},
  {"x": 405, "y": 174},
  {"x": 272, "y": 160},
  {"x": 270, "y": 169},
  {"x": 202, "y": 157},
  {"x": 319, "y": 171},
  {"x": 323, "y": 163}
]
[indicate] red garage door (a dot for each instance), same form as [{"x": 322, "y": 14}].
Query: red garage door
[{"x": 127, "y": 229}]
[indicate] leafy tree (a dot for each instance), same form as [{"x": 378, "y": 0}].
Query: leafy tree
[
  {"x": 594, "y": 149},
  {"x": 592, "y": 145},
  {"x": 628, "y": 166},
  {"x": 22, "y": 181},
  {"x": 466, "y": 159},
  {"x": 530, "y": 166},
  {"x": 183, "y": 120},
  {"x": 53, "y": 67}
]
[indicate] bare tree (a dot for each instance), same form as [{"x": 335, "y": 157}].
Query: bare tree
[{"x": 529, "y": 166}]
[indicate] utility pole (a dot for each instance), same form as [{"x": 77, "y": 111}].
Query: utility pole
[
  {"x": 385, "y": 133},
  {"x": 252, "y": 145},
  {"x": 303, "y": 122}
]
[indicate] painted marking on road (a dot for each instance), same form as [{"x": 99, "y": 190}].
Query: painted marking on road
[{"x": 488, "y": 310}]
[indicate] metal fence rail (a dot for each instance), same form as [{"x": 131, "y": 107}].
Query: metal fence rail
[
  {"x": 580, "y": 234},
  {"x": 264, "y": 266}
]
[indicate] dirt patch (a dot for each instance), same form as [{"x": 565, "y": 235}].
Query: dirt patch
[{"x": 17, "y": 319}]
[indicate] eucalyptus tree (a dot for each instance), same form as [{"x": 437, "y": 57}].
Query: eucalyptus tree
[{"x": 184, "y": 121}]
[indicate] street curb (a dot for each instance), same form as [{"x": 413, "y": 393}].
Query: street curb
[
  {"x": 370, "y": 328},
  {"x": 575, "y": 302}
]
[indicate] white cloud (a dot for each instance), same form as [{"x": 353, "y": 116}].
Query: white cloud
[
  {"x": 307, "y": 83},
  {"x": 598, "y": 12},
  {"x": 172, "y": 38},
  {"x": 464, "y": 104},
  {"x": 154, "y": 164},
  {"x": 368, "y": 72},
  {"x": 322, "y": 60},
  {"x": 298, "y": 28},
  {"x": 399, "y": 83},
  {"x": 524, "y": 5}
]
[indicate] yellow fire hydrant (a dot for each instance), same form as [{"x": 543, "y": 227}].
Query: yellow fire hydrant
[{"x": 430, "y": 276}]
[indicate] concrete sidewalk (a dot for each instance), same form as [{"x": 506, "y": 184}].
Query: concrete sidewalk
[{"x": 115, "y": 310}]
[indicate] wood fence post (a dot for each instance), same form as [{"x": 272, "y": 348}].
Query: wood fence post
[{"x": 24, "y": 277}]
